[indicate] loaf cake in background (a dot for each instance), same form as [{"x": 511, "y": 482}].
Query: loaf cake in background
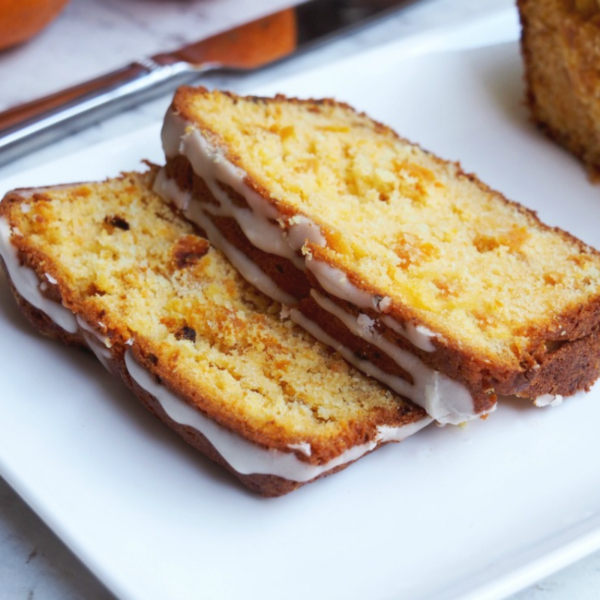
[
  {"x": 111, "y": 267},
  {"x": 561, "y": 50},
  {"x": 416, "y": 272}
]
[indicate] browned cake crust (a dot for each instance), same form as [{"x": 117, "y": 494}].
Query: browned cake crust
[
  {"x": 561, "y": 49},
  {"x": 150, "y": 356},
  {"x": 556, "y": 364}
]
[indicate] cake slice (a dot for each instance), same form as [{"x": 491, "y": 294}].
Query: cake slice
[
  {"x": 561, "y": 49},
  {"x": 111, "y": 267},
  {"x": 418, "y": 273}
]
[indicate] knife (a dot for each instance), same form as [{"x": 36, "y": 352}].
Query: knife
[{"x": 242, "y": 49}]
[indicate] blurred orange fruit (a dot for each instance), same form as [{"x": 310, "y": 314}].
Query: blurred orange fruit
[{"x": 22, "y": 19}]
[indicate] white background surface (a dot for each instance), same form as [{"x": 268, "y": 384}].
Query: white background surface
[{"x": 91, "y": 37}]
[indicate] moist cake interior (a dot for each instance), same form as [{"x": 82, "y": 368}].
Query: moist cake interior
[{"x": 472, "y": 268}]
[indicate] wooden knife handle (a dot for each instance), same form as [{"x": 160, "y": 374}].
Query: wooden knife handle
[{"x": 28, "y": 127}]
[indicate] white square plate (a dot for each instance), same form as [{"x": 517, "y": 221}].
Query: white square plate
[{"x": 479, "y": 511}]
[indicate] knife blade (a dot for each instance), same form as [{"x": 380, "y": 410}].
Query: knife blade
[{"x": 243, "y": 49}]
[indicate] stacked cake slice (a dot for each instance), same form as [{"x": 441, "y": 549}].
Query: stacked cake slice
[
  {"x": 111, "y": 267},
  {"x": 414, "y": 271}
]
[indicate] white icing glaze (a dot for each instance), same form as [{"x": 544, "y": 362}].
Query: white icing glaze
[
  {"x": 301, "y": 229},
  {"x": 252, "y": 273},
  {"x": 258, "y": 220},
  {"x": 101, "y": 353},
  {"x": 548, "y": 400},
  {"x": 385, "y": 304},
  {"x": 418, "y": 335},
  {"x": 444, "y": 399},
  {"x": 364, "y": 365},
  {"x": 102, "y": 340},
  {"x": 336, "y": 282},
  {"x": 303, "y": 447},
  {"x": 27, "y": 283},
  {"x": 364, "y": 323},
  {"x": 98, "y": 344},
  {"x": 390, "y": 434},
  {"x": 168, "y": 188},
  {"x": 261, "y": 222},
  {"x": 248, "y": 458},
  {"x": 172, "y": 132}
]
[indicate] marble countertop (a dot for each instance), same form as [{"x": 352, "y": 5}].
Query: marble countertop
[{"x": 92, "y": 37}]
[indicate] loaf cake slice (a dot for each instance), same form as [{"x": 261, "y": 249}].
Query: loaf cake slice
[
  {"x": 416, "y": 272},
  {"x": 111, "y": 267},
  {"x": 561, "y": 50}
]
